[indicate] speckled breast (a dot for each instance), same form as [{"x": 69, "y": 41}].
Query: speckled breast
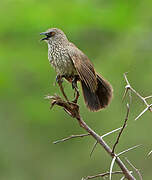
[{"x": 60, "y": 60}]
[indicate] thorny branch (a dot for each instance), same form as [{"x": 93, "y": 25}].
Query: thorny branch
[
  {"x": 144, "y": 99},
  {"x": 73, "y": 110}
]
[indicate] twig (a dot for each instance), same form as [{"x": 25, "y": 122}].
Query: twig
[
  {"x": 70, "y": 137},
  {"x": 73, "y": 110},
  {"x": 102, "y": 175},
  {"x": 95, "y": 144},
  {"x": 137, "y": 171},
  {"x": 129, "y": 88},
  {"x": 123, "y": 127}
]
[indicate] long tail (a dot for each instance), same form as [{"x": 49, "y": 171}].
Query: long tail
[{"x": 100, "y": 98}]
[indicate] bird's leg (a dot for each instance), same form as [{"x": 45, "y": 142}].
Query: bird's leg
[
  {"x": 75, "y": 87},
  {"x": 60, "y": 81}
]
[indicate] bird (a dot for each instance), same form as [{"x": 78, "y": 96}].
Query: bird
[{"x": 73, "y": 65}]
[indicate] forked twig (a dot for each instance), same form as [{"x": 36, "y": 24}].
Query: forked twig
[{"x": 144, "y": 99}]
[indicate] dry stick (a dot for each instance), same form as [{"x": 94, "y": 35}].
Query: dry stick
[
  {"x": 123, "y": 127},
  {"x": 71, "y": 137},
  {"x": 129, "y": 88},
  {"x": 73, "y": 110},
  {"x": 102, "y": 175},
  {"x": 137, "y": 171}
]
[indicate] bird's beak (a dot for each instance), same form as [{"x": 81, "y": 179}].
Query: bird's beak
[{"x": 45, "y": 38}]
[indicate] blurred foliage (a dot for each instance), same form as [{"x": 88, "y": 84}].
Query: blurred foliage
[{"x": 117, "y": 37}]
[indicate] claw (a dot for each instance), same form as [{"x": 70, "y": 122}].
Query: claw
[{"x": 70, "y": 107}]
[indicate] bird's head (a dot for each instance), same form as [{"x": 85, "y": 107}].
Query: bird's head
[{"x": 53, "y": 34}]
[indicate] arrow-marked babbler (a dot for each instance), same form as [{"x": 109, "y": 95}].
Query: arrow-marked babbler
[{"x": 72, "y": 64}]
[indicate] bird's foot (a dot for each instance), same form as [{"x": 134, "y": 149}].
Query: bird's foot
[{"x": 71, "y": 108}]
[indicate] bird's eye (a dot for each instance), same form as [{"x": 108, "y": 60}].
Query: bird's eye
[{"x": 52, "y": 33}]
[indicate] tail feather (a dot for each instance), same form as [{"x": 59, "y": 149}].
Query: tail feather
[{"x": 100, "y": 98}]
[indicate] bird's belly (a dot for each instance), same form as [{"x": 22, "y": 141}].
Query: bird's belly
[{"x": 63, "y": 66}]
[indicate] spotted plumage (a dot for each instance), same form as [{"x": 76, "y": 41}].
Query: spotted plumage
[{"x": 71, "y": 63}]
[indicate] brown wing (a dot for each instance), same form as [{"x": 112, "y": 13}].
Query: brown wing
[{"x": 83, "y": 66}]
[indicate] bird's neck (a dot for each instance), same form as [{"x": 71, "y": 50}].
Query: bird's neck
[{"x": 58, "y": 41}]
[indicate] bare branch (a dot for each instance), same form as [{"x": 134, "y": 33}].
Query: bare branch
[
  {"x": 124, "y": 125},
  {"x": 73, "y": 110},
  {"x": 102, "y": 175},
  {"x": 129, "y": 88},
  {"x": 71, "y": 137},
  {"x": 137, "y": 170},
  {"x": 95, "y": 144}
]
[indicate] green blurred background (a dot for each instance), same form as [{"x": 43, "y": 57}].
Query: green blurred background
[{"x": 117, "y": 37}]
